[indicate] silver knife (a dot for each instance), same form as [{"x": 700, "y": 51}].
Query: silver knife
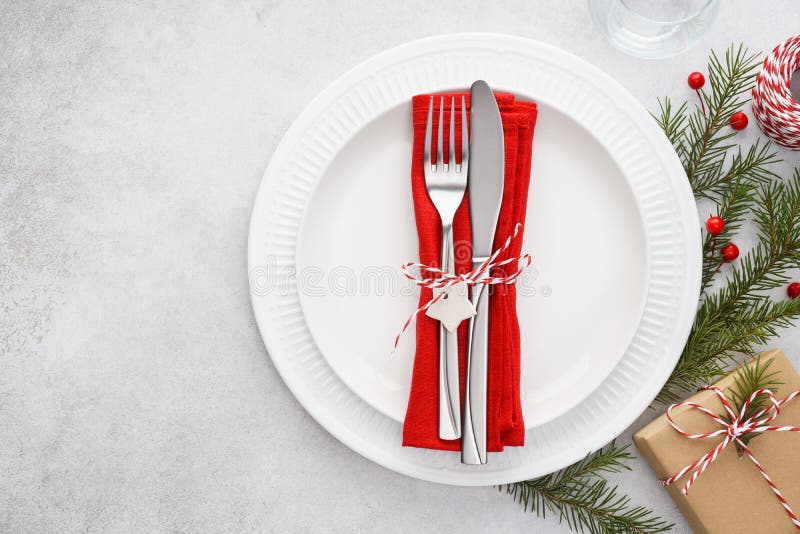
[{"x": 486, "y": 177}]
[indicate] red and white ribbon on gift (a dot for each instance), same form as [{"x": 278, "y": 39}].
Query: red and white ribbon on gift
[
  {"x": 774, "y": 108},
  {"x": 438, "y": 279},
  {"x": 733, "y": 430}
]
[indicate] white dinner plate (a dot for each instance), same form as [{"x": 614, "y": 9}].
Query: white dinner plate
[
  {"x": 583, "y": 229},
  {"x": 611, "y": 225}
]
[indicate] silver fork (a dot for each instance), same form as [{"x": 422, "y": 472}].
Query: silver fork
[{"x": 446, "y": 184}]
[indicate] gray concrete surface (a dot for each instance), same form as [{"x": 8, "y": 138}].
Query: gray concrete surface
[{"x": 135, "y": 392}]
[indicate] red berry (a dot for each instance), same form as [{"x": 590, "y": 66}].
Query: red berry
[
  {"x": 738, "y": 121},
  {"x": 730, "y": 252},
  {"x": 793, "y": 290},
  {"x": 715, "y": 225},
  {"x": 696, "y": 80}
]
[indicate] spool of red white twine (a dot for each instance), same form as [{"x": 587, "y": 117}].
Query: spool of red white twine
[{"x": 774, "y": 107}]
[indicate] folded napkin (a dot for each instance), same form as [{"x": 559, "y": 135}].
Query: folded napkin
[{"x": 505, "y": 425}]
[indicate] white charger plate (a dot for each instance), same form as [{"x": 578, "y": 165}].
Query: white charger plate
[{"x": 612, "y": 227}]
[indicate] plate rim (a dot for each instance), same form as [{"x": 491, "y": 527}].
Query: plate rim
[{"x": 691, "y": 233}]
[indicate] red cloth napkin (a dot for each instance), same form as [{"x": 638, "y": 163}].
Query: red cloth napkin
[{"x": 505, "y": 425}]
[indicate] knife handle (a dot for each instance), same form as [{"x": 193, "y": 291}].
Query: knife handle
[
  {"x": 473, "y": 440},
  {"x": 449, "y": 395}
]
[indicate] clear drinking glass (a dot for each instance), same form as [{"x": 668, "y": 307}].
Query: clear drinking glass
[{"x": 653, "y": 28}]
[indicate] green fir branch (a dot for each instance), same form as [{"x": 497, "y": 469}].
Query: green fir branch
[
  {"x": 749, "y": 379},
  {"x": 752, "y": 166},
  {"x": 741, "y": 315},
  {"x": 581, "y": 497},
  {"x": 734, "y": 206},
  {"x": 715, "y": 345},
  {"x": 702, "y": 138},
  {"x": 673, "y": 123}
]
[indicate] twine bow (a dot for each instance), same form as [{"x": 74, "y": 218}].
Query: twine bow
[
  {"x": 733, "y": 431},
  {"x": 438, "y": 279}
]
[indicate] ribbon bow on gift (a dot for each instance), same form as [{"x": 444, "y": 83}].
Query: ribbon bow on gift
[{"x": 733, "y": 431}]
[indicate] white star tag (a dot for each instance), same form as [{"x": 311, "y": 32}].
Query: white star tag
[{"x": 453, "y": 308}]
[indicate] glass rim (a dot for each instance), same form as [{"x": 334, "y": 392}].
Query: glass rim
[{"x": 694, "y": 15}]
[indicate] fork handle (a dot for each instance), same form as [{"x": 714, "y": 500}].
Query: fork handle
[{"x": 449, "y": 394}]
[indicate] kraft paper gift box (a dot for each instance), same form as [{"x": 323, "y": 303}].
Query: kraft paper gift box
[{"x": 731, "y": 496}]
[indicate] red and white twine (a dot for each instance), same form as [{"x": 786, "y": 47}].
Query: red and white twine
[
  {"x": 438, "y": 279},
  {"x": 733, "y": 431},
  {"x": 774, "y": 108}
]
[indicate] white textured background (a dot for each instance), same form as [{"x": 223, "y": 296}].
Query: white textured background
[{"x": 135, "y": 391}]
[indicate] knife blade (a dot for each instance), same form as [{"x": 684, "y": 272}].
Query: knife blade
[{"x": 486, "y": 178}]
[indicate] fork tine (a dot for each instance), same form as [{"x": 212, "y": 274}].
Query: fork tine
[
  {"x": 428, "y": 136},
  {"x": 439, "y": 145},
  {"x": 451, "y": 153},
  {"x": 464, "y": 135}
]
